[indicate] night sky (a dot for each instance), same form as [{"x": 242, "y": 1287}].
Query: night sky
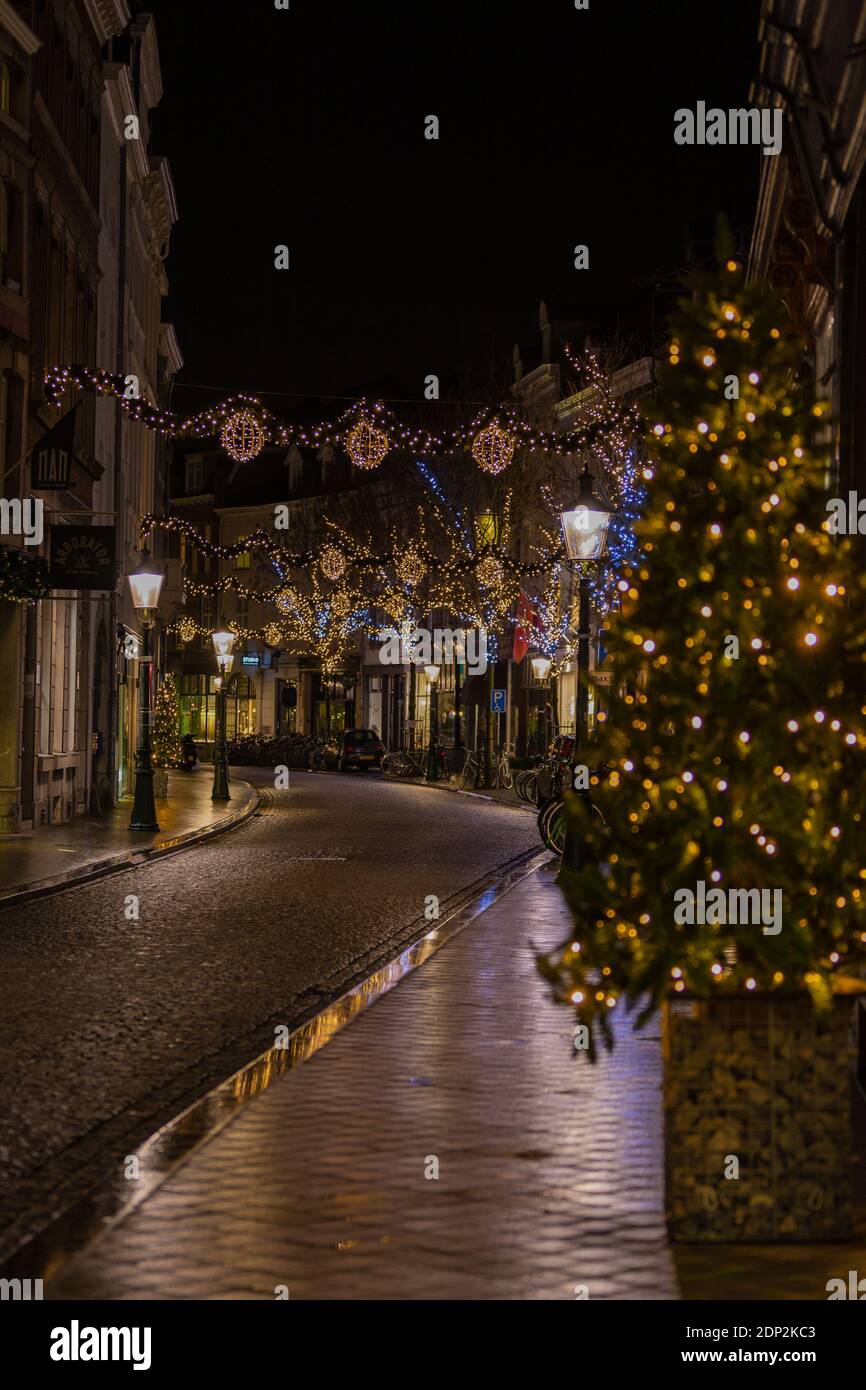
[{"x": 411, "y": 256}]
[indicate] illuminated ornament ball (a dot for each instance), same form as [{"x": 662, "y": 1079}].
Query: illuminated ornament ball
[
  {"x": 493, "y": 448},
  {"x": 366, "y": 445},
  {"x": 286, "y": 601},
  {"x": 341, "y": 604},
  {"x": 273, "y": 634},
  {"x": 186, "y": 629},
  {"x": 488, "y": 571},
  {"x": 410, "y": 567},
  {"x": 242, "y": 436},
  {"x": 332, "y": 562}
]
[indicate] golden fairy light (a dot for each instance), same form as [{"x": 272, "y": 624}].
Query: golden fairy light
[
  {"x": 273, "y": 634},
  {"x": 242, "y": 436},
  {"x": 366, "y": 445},
  {"x": 489, "y": 571},
  {"x": 186, "y": 629},
  {"x": 287, "y": 600},
  {"x": 332, "y": 562},
  {"x": 411, "y": 567},
  {"x": 493, "y": 448}
]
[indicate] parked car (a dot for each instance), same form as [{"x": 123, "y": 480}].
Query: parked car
[{"x": 361, "y": 748}]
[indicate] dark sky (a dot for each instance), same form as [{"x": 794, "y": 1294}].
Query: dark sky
[{"x": 411, "y": 256}]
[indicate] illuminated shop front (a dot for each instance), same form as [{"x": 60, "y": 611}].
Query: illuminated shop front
[{"x": 198, "y": 707}]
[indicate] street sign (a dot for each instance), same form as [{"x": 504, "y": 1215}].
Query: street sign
[{"x": 497, "y": 701}]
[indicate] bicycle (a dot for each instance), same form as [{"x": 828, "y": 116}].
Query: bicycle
[
  {"x": 553, "y": 816},
  {"x": 406, "y": 762},
  {"x": 473, "y": 766}
]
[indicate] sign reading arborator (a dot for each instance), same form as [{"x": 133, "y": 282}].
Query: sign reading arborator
[{"x": 82, "y": 557}]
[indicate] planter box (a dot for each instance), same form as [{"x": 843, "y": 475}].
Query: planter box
[
  {"x": 160, "y": 783},
  {"x": 759, "y": 1078}
]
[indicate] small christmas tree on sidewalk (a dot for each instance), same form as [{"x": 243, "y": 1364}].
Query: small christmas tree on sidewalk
[
  {"x": 167, "y": 750},
  {"x": 738, "y": 745}
]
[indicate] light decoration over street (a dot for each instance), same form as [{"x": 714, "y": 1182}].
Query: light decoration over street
[
  {"x": 242, "y": 437},
  {"x": 493, "y": 448}
]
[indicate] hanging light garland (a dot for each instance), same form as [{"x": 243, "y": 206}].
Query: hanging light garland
[
  {"x": 493, "y": 448},
  {"x": 385, "y": 430},
  {"x": 366, "y": 445},
  {"x": 242, "y": 437}
]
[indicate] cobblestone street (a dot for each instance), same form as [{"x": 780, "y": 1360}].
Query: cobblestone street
[
  {"x": 110, "y": 1025},
  {"x": 550, "y": 1171}
]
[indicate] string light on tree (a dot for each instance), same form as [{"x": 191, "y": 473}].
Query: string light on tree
[
  {"x": 723, "y": 765},
  {"x": 332, "y": 562}
]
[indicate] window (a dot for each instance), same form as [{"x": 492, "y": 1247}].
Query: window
[
  {"x": 194, "y": 476},
  {"x": 242, "y": 561}
]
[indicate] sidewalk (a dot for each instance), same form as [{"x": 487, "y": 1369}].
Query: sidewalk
[
  {"x": 550, "y": 1171},
  {"x": 79, "y": 849}
]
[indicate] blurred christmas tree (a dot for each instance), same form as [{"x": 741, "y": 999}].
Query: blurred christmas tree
[
  {"x": 738, "y": 741},
  {"x": 167, "y": 751}
]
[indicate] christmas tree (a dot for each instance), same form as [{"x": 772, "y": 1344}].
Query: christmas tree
[
  {"x": 737, "y": 742},
  {"x": 167, "y": 751}
]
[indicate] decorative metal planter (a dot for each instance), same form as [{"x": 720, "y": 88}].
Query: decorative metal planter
[{"x": 758, "y": 1088}]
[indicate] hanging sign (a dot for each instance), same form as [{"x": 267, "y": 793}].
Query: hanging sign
[
  {"x": 82, "y": 557},
  {"x": 51, "y": 459}
]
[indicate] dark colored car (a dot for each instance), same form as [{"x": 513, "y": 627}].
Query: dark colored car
[{"x": 361, "y": 748}]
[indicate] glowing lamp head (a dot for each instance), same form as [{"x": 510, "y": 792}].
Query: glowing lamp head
[
  {"x": 540, "y": 667},
  {"x": 432, "y": 674},
  {"x": 224, "y": 662},
  {"x": 145, "y": 584},
  {"x": 585, "y": 525},
  {"x": 223, "y": 641}
]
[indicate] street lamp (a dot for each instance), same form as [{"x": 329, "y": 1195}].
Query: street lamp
[
  {"x": 584, "y": 525},
  {"x": 145, "y": 584},
  {"x": 584, "y": 528},
  {"x": 432, "y": 674},
  {"x": 223, "y": 643},
  {"x": 540, "y": 667}
]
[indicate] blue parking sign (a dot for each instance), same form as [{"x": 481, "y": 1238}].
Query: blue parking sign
[{"x": 497, "y": 701}]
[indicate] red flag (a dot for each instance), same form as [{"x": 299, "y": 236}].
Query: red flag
[{"x": 524, "y": 625}]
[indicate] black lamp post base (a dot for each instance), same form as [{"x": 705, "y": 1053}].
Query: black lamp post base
[{"x": 143, "y": 805}]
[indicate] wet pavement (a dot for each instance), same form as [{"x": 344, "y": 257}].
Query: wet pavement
[
  {"x": 549, "y": 1178},
  {"x": 77, "y": 847},
  {"x": 111, "y": 1023}
]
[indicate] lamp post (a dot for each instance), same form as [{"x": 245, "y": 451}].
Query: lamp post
[
  {"x": 223, "y": 643},
  {"x": 145, "y": 584},
  {"x": 540, "y": 669},
  {"x": 432, "y": 674},
  {"x": 584, "y": 528}
]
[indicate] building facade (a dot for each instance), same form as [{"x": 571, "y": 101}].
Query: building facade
[{"x": 85, "y": 215}]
